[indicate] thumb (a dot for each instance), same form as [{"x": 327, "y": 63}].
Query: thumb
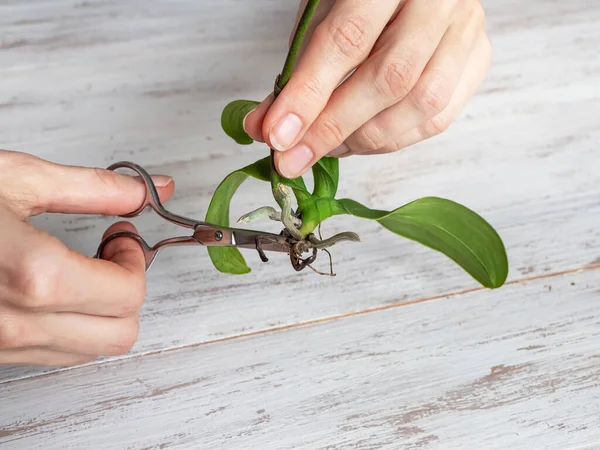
[{"x": 33, "y": 186}]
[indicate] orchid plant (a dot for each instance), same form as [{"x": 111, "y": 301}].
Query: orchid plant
[{"x": 441, "y": 224}]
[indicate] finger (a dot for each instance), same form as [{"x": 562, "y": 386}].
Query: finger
[
  {"x": 89, "y": 335},
  {"x": 431, "y": 94},
  {"x": 114, "y": 286},
  {"x": 33, "y": 186},
  {"x": 124, "y": 252},
  {"x": 385, "y": 78},
  {"x": 42, "y": 357},
  {"x": 475, "y": 72},
  {"x": 339, "y": 44},
  {"x": 254, "y": 120},
  {"x": 80, "y": 334},
  {"x": 45, "y": 276}
]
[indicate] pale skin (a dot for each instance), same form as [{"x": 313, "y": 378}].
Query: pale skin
[
  {"x": 58, "y": 307},
  {"x": 413, "y": 66}
]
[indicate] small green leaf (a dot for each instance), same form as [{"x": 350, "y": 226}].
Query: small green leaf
[
  {"x": 226, "y": 259},
  {"x": 229, "y": 259},
  {"x": 232, "y": 120},
  {"x": 326, "y": 175},
  {"x": 448, "y": 227}
]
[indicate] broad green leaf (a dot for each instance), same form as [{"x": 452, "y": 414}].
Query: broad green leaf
[
  {"x": 448, "y": 227},
  {"x": 232, "y": 120},
  {"x": 326, "y": 175},
  {"x": 229, "y": 259}
]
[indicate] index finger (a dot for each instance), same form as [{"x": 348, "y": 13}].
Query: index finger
[{"x": 339, "y": 44}]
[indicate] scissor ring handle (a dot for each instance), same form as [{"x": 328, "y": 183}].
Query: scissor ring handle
[{"x": 149, "y": 252}]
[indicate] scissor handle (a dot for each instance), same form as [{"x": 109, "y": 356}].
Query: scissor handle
[
  {"x": 152, "y": 199},
  {"x": 149, "y": 252}
]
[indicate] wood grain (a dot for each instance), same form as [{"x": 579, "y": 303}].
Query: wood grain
[
  {"x": 90, "y": 83},
  {"x": 518, "y": 368},
  {"x": 150, "y": 88}
]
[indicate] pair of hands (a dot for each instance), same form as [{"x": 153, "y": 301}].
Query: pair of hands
[
  {"x": 413, "y": 65},
  {"x": 375, "y": 76}
]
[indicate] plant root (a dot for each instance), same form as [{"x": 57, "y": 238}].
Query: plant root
[
  {"x": 300, "y": 244},
  {"x": 333, "y": 240},
  {"x": 267, "y": 212},
  {"x": 287, "y": 215}
]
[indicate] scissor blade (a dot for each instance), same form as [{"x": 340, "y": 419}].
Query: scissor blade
[
  {"x": 213, "y": 236},
  {"x": 267, "y": 242}
]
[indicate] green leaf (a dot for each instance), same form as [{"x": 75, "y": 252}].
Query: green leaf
[
  {"x": 232, "y": 120},
  {"x": 229, "y": 259},
  {"x": 326, "y": 175},
  {"x": 315, "y": 210},
  {"x": 448, "y": 227},
  {"x": 226, "y": 259}
]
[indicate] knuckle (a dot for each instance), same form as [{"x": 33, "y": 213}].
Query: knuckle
[
  {"x": 431, "y": 97},
  {"x": 36, "y": 279},
  {"x": 369, "y": 138},
  {"x": 437, "y": 125},
  {"x": 394, "y": 78},
  {"x": 350, "y": 36},
  {"x": 311, "y": 90},
  {"x": 330, "y": 131}
]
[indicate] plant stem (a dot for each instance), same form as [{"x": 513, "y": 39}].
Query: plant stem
[
  {"x": 297, "y": 41},
  {"x": 286, "y": 74}
]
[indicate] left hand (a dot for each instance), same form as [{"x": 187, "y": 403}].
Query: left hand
[{"x": 416, "y": 64}]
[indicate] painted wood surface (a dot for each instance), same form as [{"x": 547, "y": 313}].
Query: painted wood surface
[
  {"x": 90, "y": 83},
  {"x": 517, "y": 368}
]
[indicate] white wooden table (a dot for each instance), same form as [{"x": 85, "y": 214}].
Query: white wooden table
[{"x": 400, "y": 350}]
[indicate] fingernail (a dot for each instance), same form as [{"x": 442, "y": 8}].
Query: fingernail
[
  {"x": 161, "y": 180},
  {"x": 293, "y": 162},
  {"x": 285, "y": 131},
  {"x": 339, "y": 151},
  {"x": 245, "y": 117}
]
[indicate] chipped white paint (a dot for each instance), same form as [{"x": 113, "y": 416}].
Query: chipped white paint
[
  {"x": 516, "y": 368},
  {"x": 90, "y": 83}
]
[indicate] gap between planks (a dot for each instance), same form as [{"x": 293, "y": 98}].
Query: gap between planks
[{"x": 586, "y": 268}]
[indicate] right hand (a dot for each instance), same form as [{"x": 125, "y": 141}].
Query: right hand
[{"x": 58, "y": 307}]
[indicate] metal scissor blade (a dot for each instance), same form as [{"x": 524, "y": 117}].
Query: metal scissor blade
[
  {"x": 213, "y": 236},
  {"x": 267, "y": 242}
]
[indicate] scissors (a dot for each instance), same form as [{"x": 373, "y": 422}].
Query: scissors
[{"x": 205, "y": 234}]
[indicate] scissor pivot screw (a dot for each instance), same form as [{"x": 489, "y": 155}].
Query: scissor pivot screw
[{"x": 218, "y": 235}]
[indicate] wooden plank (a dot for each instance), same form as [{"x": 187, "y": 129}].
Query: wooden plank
[
  {"x": 148, "y": 83},
  {"x": 517, "y": 368}
]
